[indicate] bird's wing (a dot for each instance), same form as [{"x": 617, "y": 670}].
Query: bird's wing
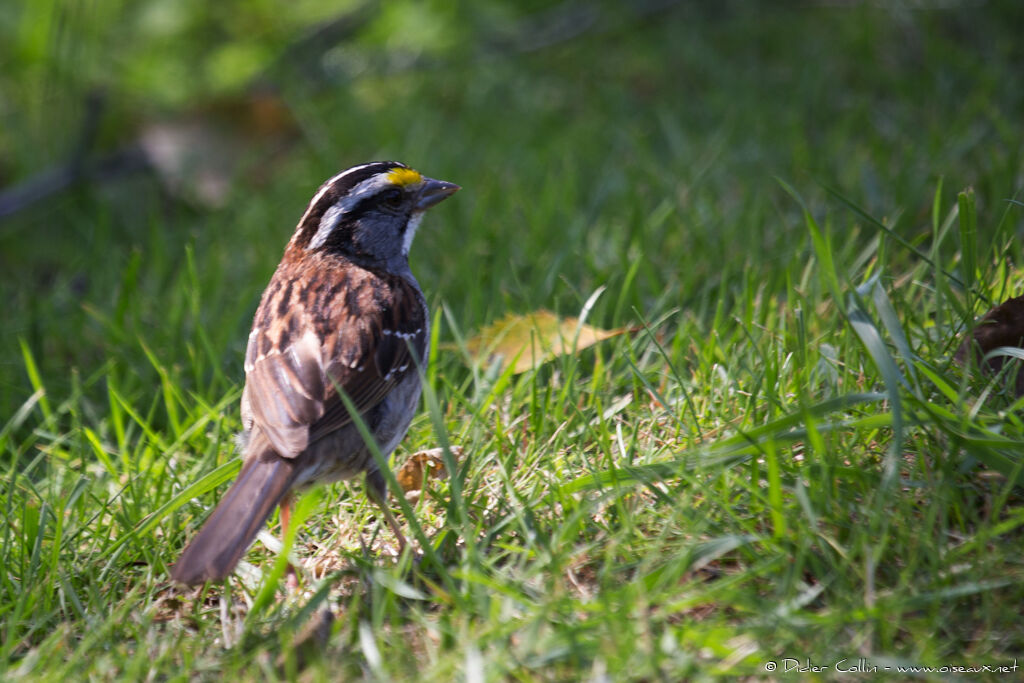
[
  {"x": 393, "y": 340},
  {"x": 362, "y": 341}
]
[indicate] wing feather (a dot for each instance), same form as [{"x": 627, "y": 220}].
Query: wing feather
[{"x": 291, "y": 392}]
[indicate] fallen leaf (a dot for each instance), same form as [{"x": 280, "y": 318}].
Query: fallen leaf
[
  {"x": 526, "y": 341},
  {"x": 198, "y": 155},
  {"x": 421, "y": 466}
]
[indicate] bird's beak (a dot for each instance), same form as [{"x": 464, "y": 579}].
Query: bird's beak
[{"x": 434, "y": 191}]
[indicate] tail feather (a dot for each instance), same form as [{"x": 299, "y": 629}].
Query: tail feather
[{"x": 231, "y": 528}]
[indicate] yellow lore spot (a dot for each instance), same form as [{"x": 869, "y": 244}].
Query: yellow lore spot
[{"x": 404, "y": 176}]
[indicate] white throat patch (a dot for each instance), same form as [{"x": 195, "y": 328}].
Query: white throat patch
[{"x": 410, "y": 231}]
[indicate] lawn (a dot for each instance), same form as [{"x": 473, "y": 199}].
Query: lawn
[{"x": 792, "y": 214}]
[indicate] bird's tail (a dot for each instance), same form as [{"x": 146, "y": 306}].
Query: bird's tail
[{"x": 227, "y": 533}]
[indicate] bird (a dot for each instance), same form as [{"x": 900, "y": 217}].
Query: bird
[{"x": 342, "y": 314}]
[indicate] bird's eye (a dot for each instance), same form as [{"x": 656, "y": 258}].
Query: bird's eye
[{"x": 392, "y": 198}]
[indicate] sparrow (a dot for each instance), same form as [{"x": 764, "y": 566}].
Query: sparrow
[{"x": 341, "y": 314}]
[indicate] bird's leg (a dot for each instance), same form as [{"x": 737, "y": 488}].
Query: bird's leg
[
  {"x": 292, "y": 580},
  {"x": 393, "y": 523},
  {"x": 286, "y": 513},
  {"x": 377, "y": 489}
]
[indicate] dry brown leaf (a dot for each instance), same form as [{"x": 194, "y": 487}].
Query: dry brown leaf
[
  {"x": 423, "y": 465},
  {"x": 526, "y": 341},
  {"x": 198, "y": 155}
]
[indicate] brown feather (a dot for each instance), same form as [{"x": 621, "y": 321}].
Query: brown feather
[
  {"x": 227, "y": 533},
  {"x": 291, "y": 400},
  {"x": 333, "y": 319},
  {"x": 367, "y": 332}
]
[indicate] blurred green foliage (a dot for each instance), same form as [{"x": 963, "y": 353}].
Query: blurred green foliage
[
  {"x": 587, "y": 135},
  {"x": 685, "y": 502}
]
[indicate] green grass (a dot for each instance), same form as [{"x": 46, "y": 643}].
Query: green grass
[{"x": 781, "y": 462}]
